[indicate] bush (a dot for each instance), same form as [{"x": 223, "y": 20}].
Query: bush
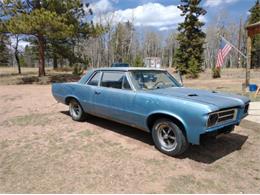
[
  {"x": 193, "y": 70},
  {"x": 216, "y": 72},
  {"x": 138, "y": 62},
  {"x": 78, "y": 69}
]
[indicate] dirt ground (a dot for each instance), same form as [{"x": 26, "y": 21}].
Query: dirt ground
[{"x": 43, "y": 151}]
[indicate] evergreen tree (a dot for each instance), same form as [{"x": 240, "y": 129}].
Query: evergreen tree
[
  {"x": 46, "y": 20},
  {"x": 189, "y": 55},
  {"x": 138, "y": 62},
  {"x": 4, "y": 51},
  {"x": 254, "y": 18}
]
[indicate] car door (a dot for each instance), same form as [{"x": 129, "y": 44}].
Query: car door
[
  {"x": 87, "y": 92},
  {"x": 114, "y": 98}
]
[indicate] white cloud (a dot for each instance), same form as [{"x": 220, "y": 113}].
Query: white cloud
[
  {"x": 214, "y": 3},
  {"x": 102, "y": 6},
  {"x": 147, "y": 15},
  {"x": 150, "y": 14},
  {"x": 165, "y": 28},
  {"x": 22, "y": 43}
]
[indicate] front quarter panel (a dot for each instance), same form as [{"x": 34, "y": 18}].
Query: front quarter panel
[{"x": 192, "y": 115}]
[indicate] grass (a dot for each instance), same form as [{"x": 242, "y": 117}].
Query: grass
[
  {"x": 86, "y": 133},
  {"x": 32, "y": 119},
  {"x": 63, "y": 156},
  {"x": 8, "y": 76},
  {"x": 190, "y": 184}
]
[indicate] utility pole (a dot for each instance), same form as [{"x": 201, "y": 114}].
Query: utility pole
[{"x": 239, "y": 43}]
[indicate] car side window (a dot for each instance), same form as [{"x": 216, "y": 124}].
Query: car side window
[
  {"x": 113, "y": 79},
  {"x": 95, "y": 79}
]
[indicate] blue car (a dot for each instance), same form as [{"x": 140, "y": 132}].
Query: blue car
[{"x": 152, "y": 100}]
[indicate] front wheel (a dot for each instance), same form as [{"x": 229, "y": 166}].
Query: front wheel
[
  {"x": 169, "y": 138},
  {"x": 76, "y": 111}
]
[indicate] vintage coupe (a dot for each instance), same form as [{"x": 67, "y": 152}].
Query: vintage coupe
[{"x": 152, "y": 100}]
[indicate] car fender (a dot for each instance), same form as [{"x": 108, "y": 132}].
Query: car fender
[
  {"x": 71, "y": 96},
  {"x": 169, "y": 114}
]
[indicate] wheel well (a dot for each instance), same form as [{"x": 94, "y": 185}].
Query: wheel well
[
  {"x": 68, "y": 99},
  {"x": 152, "y": 118}
]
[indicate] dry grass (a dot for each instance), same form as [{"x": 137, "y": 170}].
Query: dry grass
[
  {"x": 43, "y": 151},
  {"x": 9, "y": 76}
]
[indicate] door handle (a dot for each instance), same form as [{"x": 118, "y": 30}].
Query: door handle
[{"x": 97, "y": 92}]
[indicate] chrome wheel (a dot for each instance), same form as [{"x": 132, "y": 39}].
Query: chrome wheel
[
  {"x": 169, "y": 138},
  {"x": 75, "y": 110},
  {"x": 166, "y": 136}
]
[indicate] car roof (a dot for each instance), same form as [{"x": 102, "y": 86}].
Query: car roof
[{"x": 127, "y": 68}]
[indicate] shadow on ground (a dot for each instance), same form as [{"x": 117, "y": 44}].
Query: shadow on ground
[
  {"x": 212, "y": 150},
  {"x": 119, "y": 128},
  {"x": 208, "y": 152}
]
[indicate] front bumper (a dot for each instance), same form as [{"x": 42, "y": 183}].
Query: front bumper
[{"x": 217, "y": 132}]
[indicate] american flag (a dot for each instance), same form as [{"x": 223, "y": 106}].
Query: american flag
[{"x": 223, "y": 52}]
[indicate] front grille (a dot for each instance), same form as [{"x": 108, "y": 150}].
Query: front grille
[
  {"x": 222, "y": 117},
  {"x": 226, "y": 115}
]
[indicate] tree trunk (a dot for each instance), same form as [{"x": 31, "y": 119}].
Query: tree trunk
[
  {"x": 17, "y": 61},
  {"x": 61, "y": 62},
  {"x": 55, "y": 61},
  {"x": 41, "y": 55},
  {"x": 16, "y": 54}
]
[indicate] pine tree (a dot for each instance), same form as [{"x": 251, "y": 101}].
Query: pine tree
[
  {"x": 138, "y": 62},
  {"x": 189, "y": 55},
  {"x": 4, "y": 51},
  {"x": 46, "y": 20},
  {"x": 254, "y": 18}
]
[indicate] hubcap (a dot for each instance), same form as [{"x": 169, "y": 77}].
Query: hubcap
[
  {"x": 75, "y": 110},
  {"x": 166, "y": 136}
]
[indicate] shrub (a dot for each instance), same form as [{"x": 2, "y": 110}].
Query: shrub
[
  {"x": 216, "y": 72},
  {"x": 193, "y": 71},
  {"x": 78, "y": 69}
]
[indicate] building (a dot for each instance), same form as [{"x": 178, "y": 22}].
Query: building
[{"x": 152, "y": 62}]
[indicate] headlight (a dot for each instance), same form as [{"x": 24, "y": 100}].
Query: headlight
[{"x": 213, "y": 118}]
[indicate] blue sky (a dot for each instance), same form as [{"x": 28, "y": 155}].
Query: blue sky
[{"x": 164, "y": 14}]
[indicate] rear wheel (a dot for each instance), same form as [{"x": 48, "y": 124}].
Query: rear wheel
[
  {"x": 76, "y": 111},
  {"x": 169, "y": 138}
]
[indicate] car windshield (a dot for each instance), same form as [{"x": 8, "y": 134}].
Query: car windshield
[{"x": 153, "y": 79}]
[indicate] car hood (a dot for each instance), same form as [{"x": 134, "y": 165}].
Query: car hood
[{"x": 218, "y": 99}]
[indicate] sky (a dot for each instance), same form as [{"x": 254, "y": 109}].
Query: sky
[{"x": 163, "y": 15}]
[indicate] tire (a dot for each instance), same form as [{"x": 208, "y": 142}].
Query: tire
[
  {"x": 76, "y": 111},
  {"x": 169, "y": 138}
]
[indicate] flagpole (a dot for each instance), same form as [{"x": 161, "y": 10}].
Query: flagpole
[{"x": 234, "y": 47}]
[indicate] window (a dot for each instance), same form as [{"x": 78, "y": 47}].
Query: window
[
  {"x": 95, "y": 79},
  {"x": 115, "y": 80},
  {"x": 126, "y": 84},
  {"x": 152, "y": 79}
]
